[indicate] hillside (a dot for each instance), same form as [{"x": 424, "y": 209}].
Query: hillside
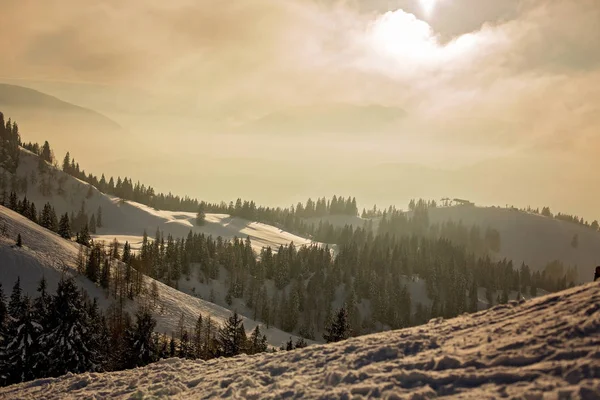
[
  {"x": 525, "y": 237},
  {"x": 46, "y": 254},
  {"x": 531, "y": 238},
  {"x": 128, "y": 220},
  {"x": 543, "y": 348}
]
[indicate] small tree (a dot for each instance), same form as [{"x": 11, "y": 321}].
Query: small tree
[
  {"x": 232, "y": 336},
  {"x": 201, "y": 215},
  {"x": 338, "y": 329},
  {"x": 140, "y": 346},
  {"x": 64, "y": 227},
  {"x": 19, "y": 241}
]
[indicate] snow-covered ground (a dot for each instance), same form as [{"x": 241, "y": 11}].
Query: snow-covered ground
[
  {"x": 46, "y": 254},
  {"x": 546, "y": 348}
]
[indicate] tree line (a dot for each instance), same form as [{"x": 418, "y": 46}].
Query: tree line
[{"x": 53, "y": 334}]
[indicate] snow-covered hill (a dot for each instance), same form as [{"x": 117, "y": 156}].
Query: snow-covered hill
[
  {"x": 46, "y": 254},
  {"x": 127, "y": 220},
  {"x": 548, "y": 347},
  {"x": 525, "y": 237},
  {"x": 531, "y": 238}
]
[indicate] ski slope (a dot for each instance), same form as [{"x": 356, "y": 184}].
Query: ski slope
[
  {"x": 546, "y": 348},
  {"x": 46, "y": 254}
]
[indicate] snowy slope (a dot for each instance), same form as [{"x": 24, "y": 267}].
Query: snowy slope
[
  {"x": 128, "y": 220},
  {"x": 525, "y": 237},
  {"x": 46, "y": 254},
  {"x": 546, "y": 348},
  {"x": 531, "y": 238}
]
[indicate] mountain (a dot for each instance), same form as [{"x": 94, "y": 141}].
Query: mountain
[
  {"x": 45, "y": 254},
  {"x": 531, "y": 238},
  {"x": 45, "y": 117},
  {"x": 327, "y": 118},
  {"x": 542, "y": 348}
]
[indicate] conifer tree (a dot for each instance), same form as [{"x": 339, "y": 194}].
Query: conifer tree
[
  {"x": 19, "y": 240},
  {"x": 257, "y": 343},
  {"x": 83, "y": 237},
  {"x": 64, "y": 227},
  {"x": 20, "y": 351},
  {"x": 141, "y": 349},
  {"x": 338, "y": 328},
  {"x": 197, "y": 338},
  {"x": 67, "y": 339},
  {"x": 232, "y": 336}
]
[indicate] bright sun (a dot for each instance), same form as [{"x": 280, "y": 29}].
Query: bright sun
[{"x": 428, "y": 5}]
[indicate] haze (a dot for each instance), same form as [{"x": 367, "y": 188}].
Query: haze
[{"x": 494, "y": 101}]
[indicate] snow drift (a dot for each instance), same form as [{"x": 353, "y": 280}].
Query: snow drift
[{"x": 547, "y": 347}]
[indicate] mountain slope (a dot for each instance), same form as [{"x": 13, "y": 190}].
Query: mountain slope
[
  {"x": 128, "y": 220},
  {"x": 544, "y": 348},
  {"x": 530, "y": 238},
  {"x": 46, "y": 254},
  {"x": 67, "y": 126},
  {"x": 525, "y": 237}
]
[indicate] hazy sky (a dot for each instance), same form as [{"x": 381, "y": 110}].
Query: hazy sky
[{"x": 512, "y": 84}]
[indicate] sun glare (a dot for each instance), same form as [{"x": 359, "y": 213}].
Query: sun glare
[
  {"x": 403, "y": 36},
  {"x": 428, "y": 6}
]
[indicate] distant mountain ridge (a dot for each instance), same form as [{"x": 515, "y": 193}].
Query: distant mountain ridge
[{"x": 13, "y": 96}]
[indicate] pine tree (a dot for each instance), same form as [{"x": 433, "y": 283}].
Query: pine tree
[
  {"x": 83, "y": 237},
  {"x": 338, "y": 328},
  {"x": 256, "y": 343},
  {"x": 141, "y": 349},
  {"x": 232, "y": 336},
  {"x": 46, "y": 152},
  {"x": 66, "y": 166},
  {"x": 200, "y": 215},
  {"x": 20, "y": 352},
  {"x": 67, "y": 339},
  {"x": 19, "y": 241},
  {"x": 64, "y": 227},
  {"x": 197, "y": 338}
]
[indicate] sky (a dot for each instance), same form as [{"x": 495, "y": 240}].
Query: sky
[{"x": 498, "y": 101}]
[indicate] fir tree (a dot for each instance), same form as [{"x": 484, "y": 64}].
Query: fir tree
[
  {"x": 197, "y": 338},
  {"x": 19, "y": 241},
  {"x": 21, "y": 349},
  {"x": 67, "y": 339},
  {"x": 338, "y": 328},
  {"x": 141, "y": 349},
  {"x": 232, "y": 336},
  {"x": 64, "y": 227},
  {"x": 257, "y": 343}
]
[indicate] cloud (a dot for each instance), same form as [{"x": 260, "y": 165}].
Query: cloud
[{"x": 503, "y": 79}]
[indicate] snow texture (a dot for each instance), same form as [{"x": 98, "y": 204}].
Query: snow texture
[
  {"x": 44, "y": 253},
  {"x": 545, "y": 348}
]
